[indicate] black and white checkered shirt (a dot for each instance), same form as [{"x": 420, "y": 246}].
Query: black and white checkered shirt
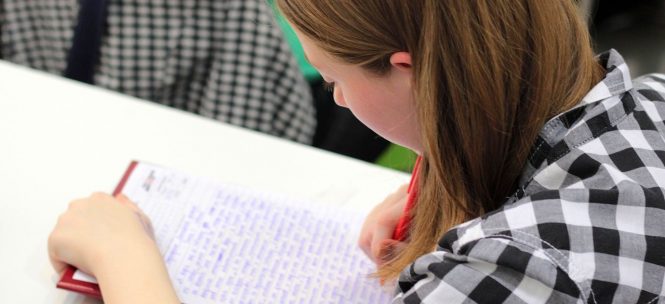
[
  {"x": 588, "y": 223},
  {"x": 224, "y": 59}
]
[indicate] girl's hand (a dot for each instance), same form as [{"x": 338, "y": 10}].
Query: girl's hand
[
  {"x": 376, "y": 235},
  {"x": 111, "y": 239},
  {"x": 94, "y": 229}
]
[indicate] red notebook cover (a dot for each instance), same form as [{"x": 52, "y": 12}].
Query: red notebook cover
[{"x": 67, "y": 280}]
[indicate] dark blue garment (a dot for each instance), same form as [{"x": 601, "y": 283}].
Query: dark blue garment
[{"x": 84, "y": 53}]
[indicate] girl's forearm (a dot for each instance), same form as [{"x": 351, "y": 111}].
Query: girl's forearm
[{"x": 136, "y": 276}]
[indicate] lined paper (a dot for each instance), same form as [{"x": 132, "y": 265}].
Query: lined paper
[{"x": 226, "y": 244}]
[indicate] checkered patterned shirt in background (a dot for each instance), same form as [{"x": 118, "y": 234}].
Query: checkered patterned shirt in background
[
  {"x": 223, "y": 59},
  {"x": 587, "y": 224}
]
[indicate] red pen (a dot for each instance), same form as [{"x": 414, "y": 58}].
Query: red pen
[{"x": 402, "y": 228}]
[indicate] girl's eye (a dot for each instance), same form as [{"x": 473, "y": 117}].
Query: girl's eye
[{"x": 329, "y": 86}]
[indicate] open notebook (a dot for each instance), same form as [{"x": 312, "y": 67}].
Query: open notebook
[{"x": 225, "y": 244}]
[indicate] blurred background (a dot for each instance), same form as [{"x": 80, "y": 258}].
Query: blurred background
[{"x": 636, "y": 28}]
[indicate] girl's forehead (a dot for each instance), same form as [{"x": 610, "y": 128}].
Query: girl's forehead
[
  {"x": 311, "y": 50},
  {"x": 318, "y": 58}
]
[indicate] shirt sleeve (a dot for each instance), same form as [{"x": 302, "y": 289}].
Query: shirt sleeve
[{"x": 514, "y": 276}]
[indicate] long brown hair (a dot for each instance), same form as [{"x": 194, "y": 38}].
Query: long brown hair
[{"x": 488, "y": 74}]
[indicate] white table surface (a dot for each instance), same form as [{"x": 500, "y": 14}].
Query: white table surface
[{"x": 61, "y": 140}]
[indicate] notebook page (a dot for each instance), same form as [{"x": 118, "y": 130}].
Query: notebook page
[{"x": 225, "y": 244}]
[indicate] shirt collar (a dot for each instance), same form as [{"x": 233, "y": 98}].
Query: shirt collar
[{"x": 616, "y": 82}]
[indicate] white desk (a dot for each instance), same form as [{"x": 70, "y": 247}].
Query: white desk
[{"x": 60, "y": 140}]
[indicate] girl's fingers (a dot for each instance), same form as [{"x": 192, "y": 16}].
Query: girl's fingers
[
  {"x": 389, "y": 248},
  {"x": 384, "y": 229},
  {"x": 126, "y": 201},
  {"x": 147, "y": 225},
  {"x": 381, "y": 233},
  {"x": 145, "y": 221},
  {"x": 131, "y": 205},
  {"x": 123, "y": 198},
  {"x": 381, "y": 221},
  {"x": 402, "y": 190},
  {"x": 57, "y": 264}
]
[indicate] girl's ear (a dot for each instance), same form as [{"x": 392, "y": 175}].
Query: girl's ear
[{"x": 401, "y": 61}]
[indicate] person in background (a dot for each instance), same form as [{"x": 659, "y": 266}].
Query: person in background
[
  {"x": 223, "y": 59},
  {"x": 541, "y": 176}
]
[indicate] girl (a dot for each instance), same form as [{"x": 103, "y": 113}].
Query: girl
[{"x": 541, "y": 176}]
